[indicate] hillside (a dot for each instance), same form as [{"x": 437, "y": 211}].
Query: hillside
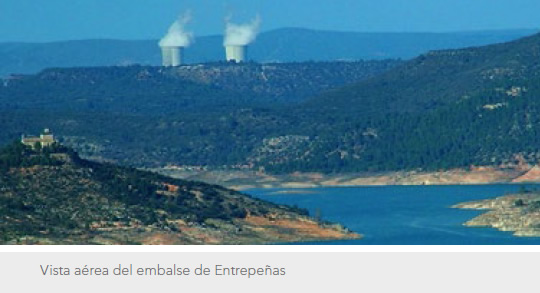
[
  {"x": 158, "y": 90},
  {"x": 51, "y": 196},
  {"x": 444, "y": 109},
  {"x": 187, "y": 113},
  {"x": 440, "y": 77},
  {"x": 283, "y": 45}
]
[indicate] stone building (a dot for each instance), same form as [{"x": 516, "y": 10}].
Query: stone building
[{"x": 45, "y": 139}]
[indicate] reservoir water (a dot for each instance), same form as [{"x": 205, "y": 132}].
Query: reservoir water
[{"x": 401, "y": 215}]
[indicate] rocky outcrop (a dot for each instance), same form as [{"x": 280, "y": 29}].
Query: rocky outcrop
[
  {"x": 533, "y": 175},
  {"x": 519, "y": 214}
]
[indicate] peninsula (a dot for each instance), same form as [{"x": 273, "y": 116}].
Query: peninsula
[{"x": 518, "y": 213}]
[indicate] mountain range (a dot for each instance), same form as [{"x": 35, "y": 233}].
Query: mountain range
[{"x": 282, "y": 45}]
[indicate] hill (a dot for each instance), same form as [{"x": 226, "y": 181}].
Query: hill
[
  {"x": 283, "y": 45},
  {"x": 158, "y": 90},
  {"x": 51, "y": 196},
  {"x": 440, "y": 77},
  {"x": 444, "y": 109}
]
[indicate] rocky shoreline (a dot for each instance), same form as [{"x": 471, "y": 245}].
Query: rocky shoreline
[
  {"x": 517, "y": 213},
  {"x": 244, "y": 180}
]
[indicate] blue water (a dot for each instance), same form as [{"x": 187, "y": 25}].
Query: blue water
[{"x": 403, "y": 215}]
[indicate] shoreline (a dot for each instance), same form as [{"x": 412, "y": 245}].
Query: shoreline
[
  {"x": 246, "y": 180},
  {"x": 499, "y": 213},
  {"x": 308, "y": 189}
]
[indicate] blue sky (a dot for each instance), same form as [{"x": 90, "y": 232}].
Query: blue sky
[{"x": 49, "y": 20}]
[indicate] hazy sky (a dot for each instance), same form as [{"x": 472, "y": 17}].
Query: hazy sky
[{"x": 48, "y": 20}]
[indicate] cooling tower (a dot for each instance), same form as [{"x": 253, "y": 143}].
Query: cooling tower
[
  {"x": 172, "y": 56},
  {"x": 236, "y": 53}
]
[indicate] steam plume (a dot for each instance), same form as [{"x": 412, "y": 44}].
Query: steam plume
[
  {"x": 241, "y": 34},
  {"x": 177, "y": 35}
]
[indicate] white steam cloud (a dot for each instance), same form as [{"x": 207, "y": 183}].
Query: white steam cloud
[
  {"x": 241, "y": 34},
  {"x": 177, "y": 35}
]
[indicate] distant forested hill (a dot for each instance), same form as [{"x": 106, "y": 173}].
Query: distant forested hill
[
  {"x": 439, "y": 78},
  {"x": 283, "y": 45},
  {"x": 204, "y": 87},
  {"x": 444, "y": 109}
]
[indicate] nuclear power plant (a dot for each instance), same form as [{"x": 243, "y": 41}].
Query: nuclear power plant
[
  {"x": 236, "y": 40},
  {"x": 235, "y": 53},
  {"x": 172, "y": 56}
]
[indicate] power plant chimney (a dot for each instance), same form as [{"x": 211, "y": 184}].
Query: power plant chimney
[
  {"x": 173, "y": 43},
  {"x": 236, "y": 53},
  {"x": 172, "y": 55},
  {"x": 238, "y": 37}
]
